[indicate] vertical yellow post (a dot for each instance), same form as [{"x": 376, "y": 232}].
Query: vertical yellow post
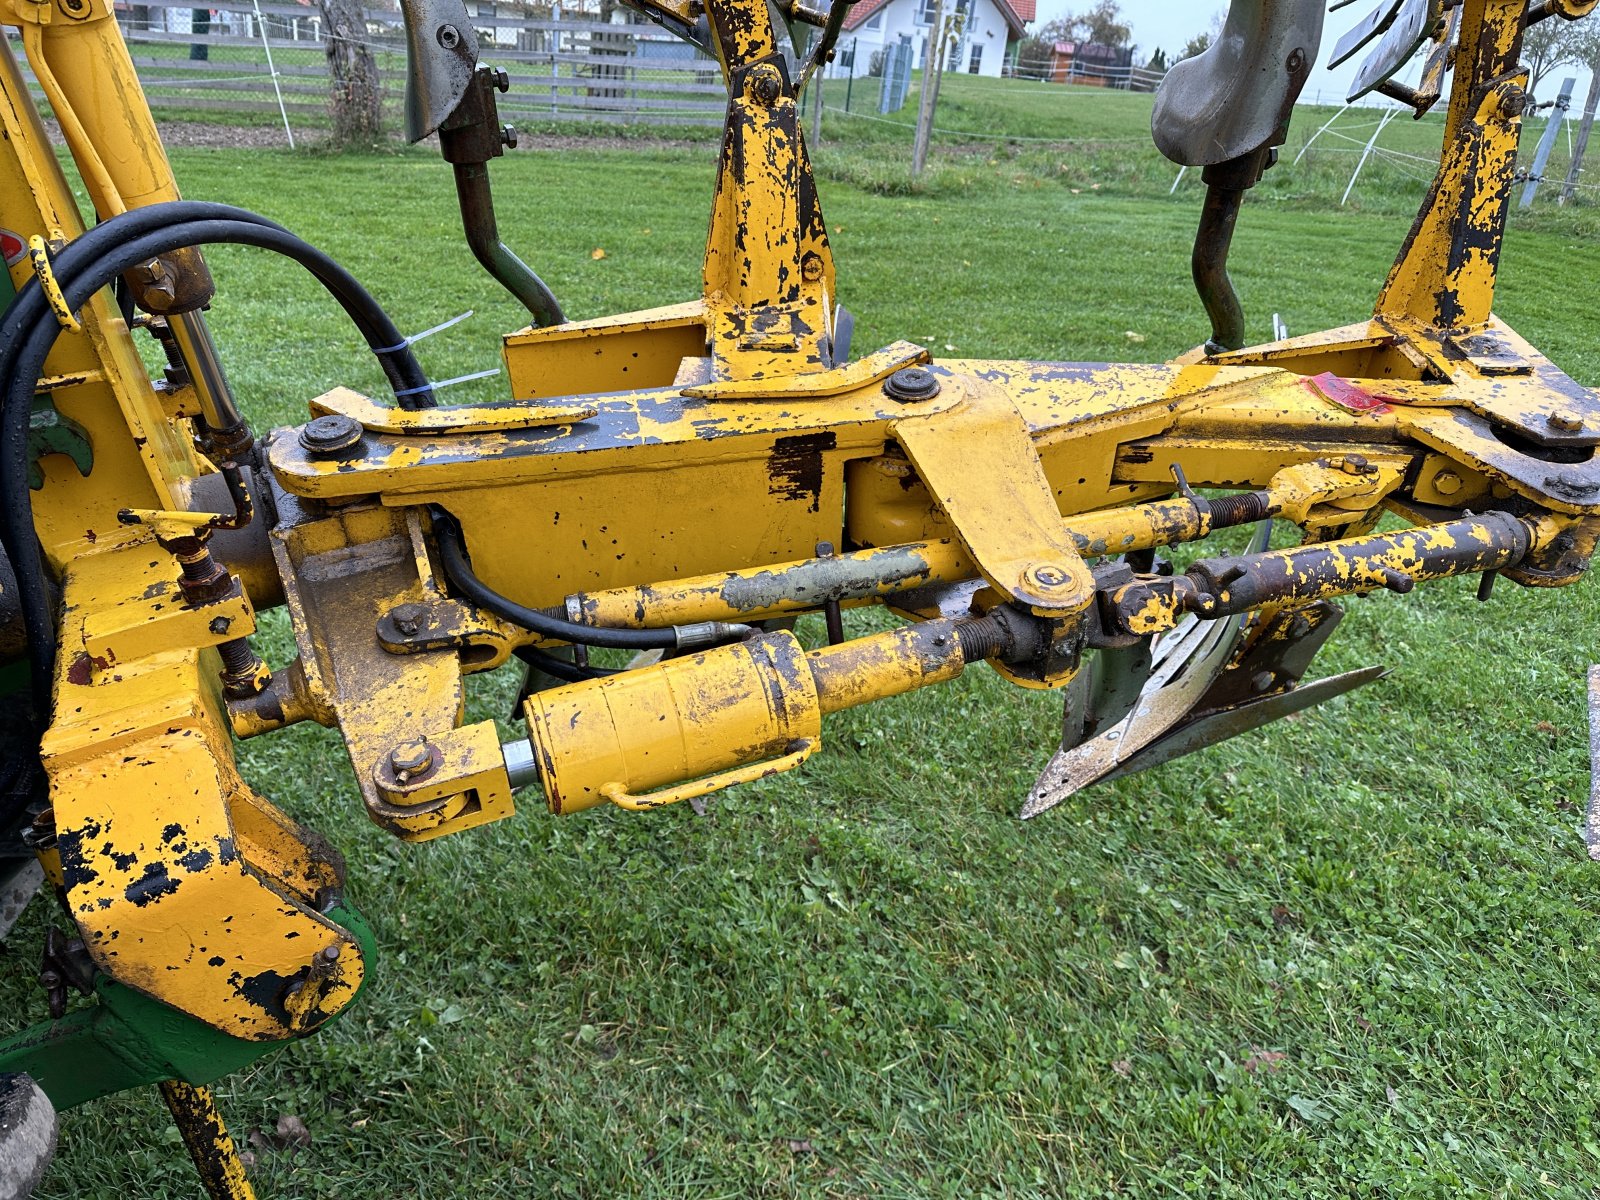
[
  {"x": 1445, "y": 275},
  {"x": 195, "y": 1111}
]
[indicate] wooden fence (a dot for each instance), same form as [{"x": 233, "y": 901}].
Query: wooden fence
[{"x": 264, "y": 62}]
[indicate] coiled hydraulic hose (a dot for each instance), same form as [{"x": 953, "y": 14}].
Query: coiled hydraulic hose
[{"x": 28, "y": 331}]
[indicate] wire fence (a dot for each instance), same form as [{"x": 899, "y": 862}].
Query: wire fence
[{"x": 265, "y": 62}]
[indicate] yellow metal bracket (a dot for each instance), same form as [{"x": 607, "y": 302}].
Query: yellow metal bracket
[
  {"x": 864, "y": 372},
  {"x": 619, "y": 795},
  {"x": 39, "y": 259},
  {"x": 465, "y": 418},
  {"x": 978, "y": 462}
]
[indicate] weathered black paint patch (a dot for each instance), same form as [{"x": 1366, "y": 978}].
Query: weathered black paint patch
[
  {"x": 195, "y": 860},
  {"x": 794, "y": 467},
  {"x": 268, "y": 990},
  {"x": 151, "y": 886}
]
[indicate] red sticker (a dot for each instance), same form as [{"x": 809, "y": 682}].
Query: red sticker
[
  {"x": 1346, "y": 394},
  {"x": 12, "y": 247}
]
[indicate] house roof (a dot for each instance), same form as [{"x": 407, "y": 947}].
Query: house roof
[
  {"x": 1017, "y": 13},
  {"x": 860, "y": 13}
]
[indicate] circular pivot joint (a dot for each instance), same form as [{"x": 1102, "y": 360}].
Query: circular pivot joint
[
  {"x": 331, "y": 434},
  {"x": 911, "y": 384}
]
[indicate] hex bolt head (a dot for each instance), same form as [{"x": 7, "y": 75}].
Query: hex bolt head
[
  {"x": 1447, "y": 483},
  {"x": 1262, "y": 680},
  {"x": 908, "y": 385},
  {"x": 413, "y": 758},
  {"x": 449, "y": 36},
  {"x": 765, "y": 83},
  {"x": 502, "y": 82},
  {"x": 811, "y": 267},
  {"x": 1565, "y": 422},
  {"x": 330, "y": 434},
  {"x": 408, "y": 618},
  {"x": 508, "y": 136}
]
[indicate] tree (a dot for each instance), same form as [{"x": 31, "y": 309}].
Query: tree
[
  {"x": 1158, "y": 61},
  {"x": 1103, "y": 24},
  {"x": 354, "y": 99},
  {"x": 1546, "y": 46},
  {"x": 1201, "y": 42}
]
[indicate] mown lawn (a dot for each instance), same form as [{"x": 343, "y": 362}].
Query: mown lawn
[{"x": 1351, "y": 955}]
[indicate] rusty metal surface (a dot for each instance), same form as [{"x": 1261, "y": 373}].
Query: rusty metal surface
[
  {"x": 441, "y": 53},
  {"x": 1253, "y": 714},
  {"x": 1236, "y": 96},
  {"x": 1188, "y": 663}
]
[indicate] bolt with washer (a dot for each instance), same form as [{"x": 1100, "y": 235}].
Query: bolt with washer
[
  {"x": 911, "y": 384},
  {"x": 1047, "y": 576},
  {"x": 330, "y": 435},
  {"x": 765, "y": 83}
]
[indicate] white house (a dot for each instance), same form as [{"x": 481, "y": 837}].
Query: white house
[{"x": 990, "y": 33}]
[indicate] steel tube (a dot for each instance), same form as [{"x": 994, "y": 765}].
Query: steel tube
[
  {"x": 1396, "y": 561},
  {"x": 483, "y": 237}
]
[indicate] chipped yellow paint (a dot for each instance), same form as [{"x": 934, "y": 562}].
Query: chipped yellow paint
[{"x": 684, "y": 463}]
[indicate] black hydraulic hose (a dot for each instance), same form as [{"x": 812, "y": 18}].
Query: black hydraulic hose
[
  {"x": 106, "y": 253},
  {"x": 560, "y": 668},
  {"x": 453, "y": 556},
  {"x": 400, "y": 366}
]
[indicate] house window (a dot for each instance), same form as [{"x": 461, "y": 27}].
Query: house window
[
  {"x": 876, "y": 22},
  {"x": 977, "y": 57},
  {"x": 926, "y": 10},
  {"x": 847, "y": 57}
]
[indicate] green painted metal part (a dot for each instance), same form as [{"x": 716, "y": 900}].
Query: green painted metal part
[
  {"x": 51, "y": 433},
  {"x": 126, "y": 1040}
]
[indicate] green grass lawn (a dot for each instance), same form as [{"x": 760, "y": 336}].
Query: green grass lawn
[{"x": 1350, "y": 955}]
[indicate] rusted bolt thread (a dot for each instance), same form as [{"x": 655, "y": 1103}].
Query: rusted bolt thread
[
  {"x": 981, "y": 639},
  {"x": 1238, "y": 510},
  {"x": 236, "y": 656},
  {"x": 243, "y": 675}
]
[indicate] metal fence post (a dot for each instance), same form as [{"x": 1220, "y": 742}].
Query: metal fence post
[{"x": 1552, "y": 129}]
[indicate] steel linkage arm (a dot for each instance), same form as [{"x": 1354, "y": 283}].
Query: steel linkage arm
[{"x": 1397, "y": 562}]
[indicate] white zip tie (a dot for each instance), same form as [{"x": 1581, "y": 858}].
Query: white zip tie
[
  {"x": 444, "y": 383},
  {"x": 417, "y": 337},
  {"x": 403, "y": 343}
]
